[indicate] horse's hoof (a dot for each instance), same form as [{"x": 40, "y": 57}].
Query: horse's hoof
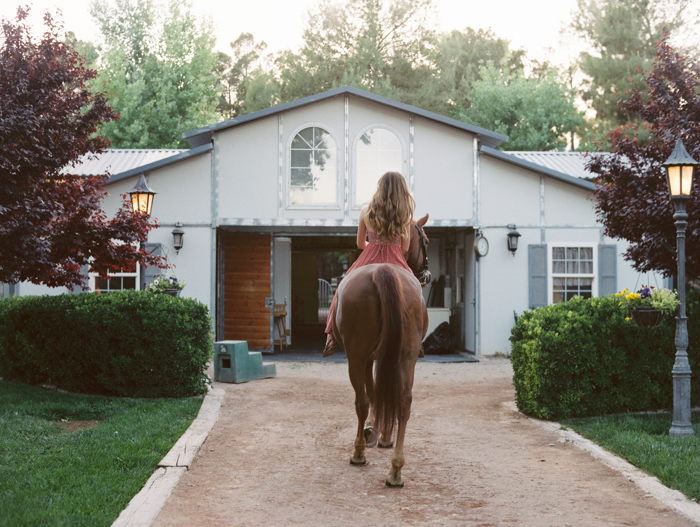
[
  {"x": 358, "y": 462},
  {"x": 394, "y": 483},
  {"x": 386, "y": 445}
]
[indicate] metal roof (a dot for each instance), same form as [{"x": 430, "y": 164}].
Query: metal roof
[
  {"x": 145, "y": 169},
  {"x": 117, "y": 160},
  {"x": 201, "y": 136},
  {"x": 509, "y": 157},
  {"x": 571, "y": 163}
]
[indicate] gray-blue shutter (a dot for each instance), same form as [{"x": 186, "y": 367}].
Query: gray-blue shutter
[
  {"x": 148, "y": 274},
  {"x": 607, "y": 270},
  {"x": 537, "y": 265}
]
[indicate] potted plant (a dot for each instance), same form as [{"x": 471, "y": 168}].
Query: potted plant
[
  {"x": 169, "y": 285},
  {"x": 648, "y": 307}
]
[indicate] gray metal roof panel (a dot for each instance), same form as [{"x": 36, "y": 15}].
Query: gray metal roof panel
[
  {"x": 515, "y": 160},
  {"x": 117, "y": 160},
  {"x": 571, "y": 163},
  {"x": 202, "y": 135},
  {"x": 144, "y": 169}
]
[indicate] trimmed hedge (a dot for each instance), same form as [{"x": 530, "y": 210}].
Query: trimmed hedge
[
  {"x": 582, "y": 358},
  {"x": 131, "y": 344}
]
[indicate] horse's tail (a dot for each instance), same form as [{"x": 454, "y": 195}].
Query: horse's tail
[{"x": 387, "y": 403}]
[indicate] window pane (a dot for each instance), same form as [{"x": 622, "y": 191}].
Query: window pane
[
  {"x": 101, "y": 284},
  {"x": 558, "y": 283},
  {"x": 301, "y": 196},
  {"x": 572, "y": 253},
  {"x": 313, "y": 172},
  {"x": 586, "y": 253},
  {"x": 572, "y": 267},
  {"x": 115, "y": 283},
  {"x": 559, "y": 267},
  {"x": 302, "y": 158},
  {"x": 304, "y": 139},
  {"x": 323, "y": 140},
  {"x": 301, "y": 177},
  {"x": 558, "y": 297},
  {"x": 378, "y": 151},
  {"x": 129, "y": 282},
  {"x": 586, "y": 267},
  {"x": 558, "y": 253}
]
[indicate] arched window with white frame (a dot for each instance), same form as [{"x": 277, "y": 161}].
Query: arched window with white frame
[
  {"x": 378, "y": 150},
  {"x": 313, "y": 179}
]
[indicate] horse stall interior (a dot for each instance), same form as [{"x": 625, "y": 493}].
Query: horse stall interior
[
  {"x": 318, "y": 264},
  {"x": 301, "y": 271}
]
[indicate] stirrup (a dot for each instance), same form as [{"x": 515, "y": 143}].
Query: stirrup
[{"x": 329, "y": 347}]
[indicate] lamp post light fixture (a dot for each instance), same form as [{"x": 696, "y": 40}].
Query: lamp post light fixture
[
  {"x": 679, "y": 170},
  {"x": 142, "y": 197},
  {"x": 513, "y": 236},
  {"x": 178, "y": 233}
]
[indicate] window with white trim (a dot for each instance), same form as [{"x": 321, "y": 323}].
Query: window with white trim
[
  {"x": 115, "y": 282},
  {"x": 313, "y": 180},
  {"x": 377, "y": 151},
  {"x": 572, "y": 271}
]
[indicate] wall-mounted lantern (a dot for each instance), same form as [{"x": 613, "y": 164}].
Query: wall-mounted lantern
[
  {"x": 142, "y": 197},
  {"x": 513, "y": 236},
  {"x": 178, "y": 233}
]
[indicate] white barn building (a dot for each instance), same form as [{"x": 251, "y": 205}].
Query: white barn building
[{"x": 264, "y": 197}]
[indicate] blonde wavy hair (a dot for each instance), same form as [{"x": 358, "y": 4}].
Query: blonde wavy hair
[{"x": 391, "y": 208}]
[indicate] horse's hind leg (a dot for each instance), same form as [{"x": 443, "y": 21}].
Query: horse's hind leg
[
  {"x": 394, "y": 478},
  {"x": 362, "y": 409},
  {"x": 371, "y": 432}
]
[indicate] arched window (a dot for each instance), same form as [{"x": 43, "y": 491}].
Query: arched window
[
  {"x": 378, "y": 151},
  {"x": 314, "y": 169}
]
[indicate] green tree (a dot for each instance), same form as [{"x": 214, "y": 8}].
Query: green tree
[
  {"x": 382, "y": 48},
  {"x": 244, "y": 70},
  {"x": 621, "y": 35},
  {"x": 158, "y": 62},
  {"x": 535, "y": 112}
]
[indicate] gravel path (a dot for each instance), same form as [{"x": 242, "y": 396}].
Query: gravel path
[{"x": 279, "y": 454}]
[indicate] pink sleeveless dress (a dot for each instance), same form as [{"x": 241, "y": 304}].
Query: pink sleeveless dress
[{"x": 374, "y": 252}]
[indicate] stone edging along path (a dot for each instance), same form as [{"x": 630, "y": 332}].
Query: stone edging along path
[{"x": 145, "y": 506}]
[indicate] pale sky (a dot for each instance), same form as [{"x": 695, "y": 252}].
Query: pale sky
[{"x": 533, "y": 25}]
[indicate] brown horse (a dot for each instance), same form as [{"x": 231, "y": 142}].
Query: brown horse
[{"x": 381, "y": 315}]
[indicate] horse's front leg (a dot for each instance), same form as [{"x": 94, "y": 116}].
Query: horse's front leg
[{"x": 362, "y": 408}]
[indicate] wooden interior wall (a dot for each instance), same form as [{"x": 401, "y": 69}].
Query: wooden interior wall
[{"x": 246, "y": 284}]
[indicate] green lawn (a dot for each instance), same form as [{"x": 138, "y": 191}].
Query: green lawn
[
  {"x": 643, "y": 440},
  {"x": 51, "y": 477}
]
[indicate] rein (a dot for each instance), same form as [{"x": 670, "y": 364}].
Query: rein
[{"x": 422, "y": 274}]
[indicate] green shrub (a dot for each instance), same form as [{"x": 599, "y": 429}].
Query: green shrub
[
  {"x": 582, "y": 358},
  {"x": 132, "y": 344}
]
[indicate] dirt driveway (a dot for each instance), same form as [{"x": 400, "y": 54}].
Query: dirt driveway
[{"x": 279, "y": 456}]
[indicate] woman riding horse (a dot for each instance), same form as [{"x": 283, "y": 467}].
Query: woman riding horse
[
  {"x": 387, "y": 219},
  {"x": 379, "y": 314}
]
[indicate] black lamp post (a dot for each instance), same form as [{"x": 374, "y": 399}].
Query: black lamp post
[
  {"x": 142, "y": 197},
  {"x": 679, "y": 170}
]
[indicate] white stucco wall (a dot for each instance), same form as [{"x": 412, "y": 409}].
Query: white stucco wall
[{"x": 444, "y": 167}]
